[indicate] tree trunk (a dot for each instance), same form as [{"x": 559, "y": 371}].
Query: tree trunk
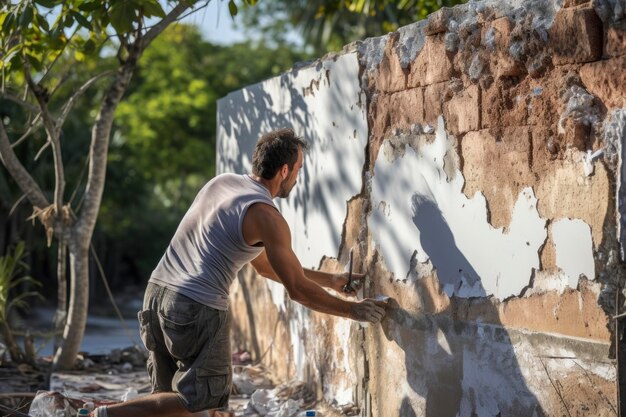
[
  {"x": 61, "y": 313},
  {"x": 79, "y": 301}
]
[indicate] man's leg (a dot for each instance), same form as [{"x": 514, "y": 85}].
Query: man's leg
[{"x": 162, "y": 404}]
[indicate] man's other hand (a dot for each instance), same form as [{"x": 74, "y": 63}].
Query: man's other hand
[{"x": 369, "y": 310}]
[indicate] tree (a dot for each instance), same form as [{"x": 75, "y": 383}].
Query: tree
[
  {"x": 36, "y": 37},
  {"x": 165, "y": 137},
  {"x": 328, "y": 25}
]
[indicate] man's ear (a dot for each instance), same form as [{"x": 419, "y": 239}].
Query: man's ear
[{"x": 284, "y": 171}]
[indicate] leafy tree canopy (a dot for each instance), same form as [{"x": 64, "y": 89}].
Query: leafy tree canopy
[{"x": 328, "y": 25}]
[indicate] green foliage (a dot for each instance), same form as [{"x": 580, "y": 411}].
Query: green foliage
[
  {"x": 328, "y": 25},
  {"x": 13, "y": 275},
  {"x": 163, "y": 148}
]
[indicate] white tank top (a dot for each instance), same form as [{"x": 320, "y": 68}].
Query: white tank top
[{"x": 208, "y": 248}]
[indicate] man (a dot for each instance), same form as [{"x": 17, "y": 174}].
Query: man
[{"x": 185, "y": 322}]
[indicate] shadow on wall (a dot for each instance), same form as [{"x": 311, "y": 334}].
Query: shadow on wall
[
  {"x": 455, "y": 368},
  {"x": 317, "y": 205}
]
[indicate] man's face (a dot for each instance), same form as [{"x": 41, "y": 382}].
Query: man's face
[{"x": 288, "y": 183}]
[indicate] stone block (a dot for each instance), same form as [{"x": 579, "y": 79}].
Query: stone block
[
  {"x": 573, "y": 133},
  {"x": 576, "y": 36},
  {"x": 497, "y": 36},
  {"x": 432, "y": 65},
  {"x": 462, "y": 113},
  {"x": 438, "y": 21},
  {"x": 391, "y": 76},
  {"x": 575, "y": 3},
  {"x": 406, "y": 108},
  {"x": 615, "y": 40},
  {"x": 497, "y": 164},
  {"x": 606, "y": 80},
  {"x": 502, "y": 32},
  {"x": 504, "y": 106},
  {"x": 379, "y": 116},
  {"x": 434, "y": 97}
]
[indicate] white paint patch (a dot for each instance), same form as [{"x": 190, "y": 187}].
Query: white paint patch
[
  {"x": 416, "y": 209},
  {"x": 277, "y": 291},
  {"x": 546, "y": 281},
  {"x": 297, "y": 328},
  {"x": 342, "y": 391},
  {"x": 324, "y": 104},
  {"x": 574, "y": 249}
]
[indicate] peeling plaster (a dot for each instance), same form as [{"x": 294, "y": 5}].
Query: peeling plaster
[
  {"x": 615, "y": 135},
  {"x": 574, "y": 249},
  {"x": 424, "y": 213}
]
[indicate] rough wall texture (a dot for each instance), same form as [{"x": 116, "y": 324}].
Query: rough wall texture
[{"x": 473, "y": 161}]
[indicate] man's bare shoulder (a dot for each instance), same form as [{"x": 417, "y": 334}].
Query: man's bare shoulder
[
  {"x": 264, "y": 223},
  {"x": 264, "y": 215}
]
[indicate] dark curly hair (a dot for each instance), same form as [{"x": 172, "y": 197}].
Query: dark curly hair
[{"x": 274, "y": 150}]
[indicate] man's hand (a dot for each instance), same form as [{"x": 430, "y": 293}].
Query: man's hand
[
  {"x": 339, "y": 281},
  {"x": 369, "y": 310}
]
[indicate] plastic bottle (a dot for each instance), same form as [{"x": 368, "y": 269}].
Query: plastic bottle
[{"x": 85, "y": 409}]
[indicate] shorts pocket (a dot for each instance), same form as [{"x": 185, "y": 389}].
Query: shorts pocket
[
  {"x": 146, "y": 330},
  {"x": 180, "y": 333},
  {"x": 216, "y": 384}
]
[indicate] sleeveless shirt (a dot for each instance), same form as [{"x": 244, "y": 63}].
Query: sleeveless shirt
[{"x": 208, "y": 248}]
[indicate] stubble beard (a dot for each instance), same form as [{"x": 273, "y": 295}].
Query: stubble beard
[{"x": 285, "y": 189}]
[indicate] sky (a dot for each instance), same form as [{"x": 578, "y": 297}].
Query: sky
[{"x": 216, "y": 23}]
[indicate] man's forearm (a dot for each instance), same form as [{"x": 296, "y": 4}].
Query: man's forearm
[{"x": 325, "y": 279}]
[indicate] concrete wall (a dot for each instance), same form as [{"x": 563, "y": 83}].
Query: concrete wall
[{"x": 473, "y": 162}]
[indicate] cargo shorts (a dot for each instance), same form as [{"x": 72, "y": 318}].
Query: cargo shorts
[{"x": 189, "y": 348}]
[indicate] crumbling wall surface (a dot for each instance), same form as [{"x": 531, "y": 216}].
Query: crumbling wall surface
[
  {"x": 503, "y": 129},
  {"x": 473, "y": 162}
]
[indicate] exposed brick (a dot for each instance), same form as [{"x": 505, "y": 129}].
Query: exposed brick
[
  {"x": 501, "y": 62},
  {"x": 574, "y": 3},
  {"x": 462, "y": 112},
  {"x": 503, "y": 28},
  {"x": 434, "y": 97},
  {"x": 391, "y": 76},
  {"x": 504, "y": 105},
  {"x": 615, "y": 40},
  {"x": 576, "y": 36},
  {"x": 498, "y": 166},
  {"x": 573, "y": 133},
  {"x": 379, "y": 115},
  {"x": 406, "y": 108},
  {"x": 432, "y": 65},
  {"x": 438, "y": 21},
  {"x": 546, "y": 148},
  {"x": 606, "y": 80}
]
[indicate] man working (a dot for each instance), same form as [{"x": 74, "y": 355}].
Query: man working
[{"x": 185, "y": 323}]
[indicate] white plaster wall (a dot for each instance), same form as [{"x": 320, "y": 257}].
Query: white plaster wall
[
  {"x": 418, "y": 210},
  {"x": 325, "y": 105}
]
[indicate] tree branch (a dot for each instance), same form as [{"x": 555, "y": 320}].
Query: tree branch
[
  {"x": 156, "y": 30},
  {"x": 23, "y": 179},
  {"x": 25, "y": 104},
  {"x": 53, "y": 137},
  {"x": 68, "y": 106},
  {"x": 34, "y": 124}
]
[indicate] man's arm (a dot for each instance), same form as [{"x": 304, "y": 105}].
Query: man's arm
[
  {"x": 265, "y": 224},
  {"x": 329, "y": 280}
]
